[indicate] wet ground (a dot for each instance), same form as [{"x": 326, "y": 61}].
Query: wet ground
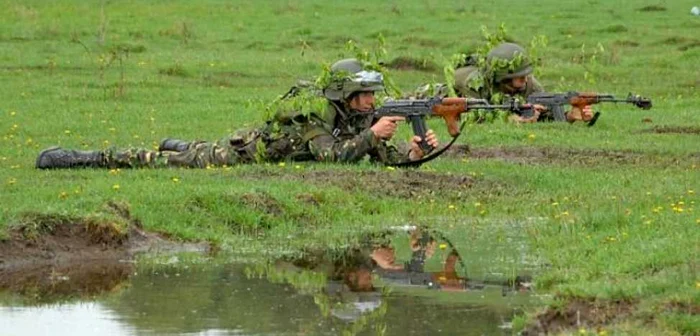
[{"x": 409, "y": 281}]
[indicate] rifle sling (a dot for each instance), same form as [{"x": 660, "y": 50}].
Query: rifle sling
[{"x": 417, "y": 163}]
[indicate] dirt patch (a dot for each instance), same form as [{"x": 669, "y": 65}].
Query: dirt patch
[
  {"x": 398, "y": 183},
  {"x": 43, "y": 250},
  {"x": 263, "y": 202},
  {"x": 585, "y": 157},
  {"x": 618, "y": 28},
  {"x": 579, "y": 313},
  {"x": 673, "y": 130},
  {"x": 410, "y": 63},
  {"x": 683, "y": 307},
  {"x": 309, "y": 199},
  {"x": 626, "y": 43},
  {"x": 652, "y": 8}
]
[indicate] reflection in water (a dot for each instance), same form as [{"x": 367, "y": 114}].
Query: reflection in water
[{"x": 363, "y": 289}]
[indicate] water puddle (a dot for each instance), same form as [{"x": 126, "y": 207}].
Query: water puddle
[{"x": 410, "y": 282}]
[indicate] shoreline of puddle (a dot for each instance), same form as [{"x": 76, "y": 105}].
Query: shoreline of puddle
[{"x": 421, "y": 289}]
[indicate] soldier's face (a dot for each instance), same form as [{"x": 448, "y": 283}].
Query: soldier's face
[
  {"x": 518, "y": 83},
  {"x": 363, "y": 102}
]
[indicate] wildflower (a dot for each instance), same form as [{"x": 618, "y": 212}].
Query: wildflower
[
  {"x": 482, "y": 212},
  {"x": 297, "y": 167},
  {"x": 114, "y": 171},
  {"x": 67, "y": 132},
  {"x": 690, "y": 192},
  {"x": 115, "y": 187},
  {"x": 390, "y": 168},
  {"x": 648, "y": 193},
  {"x": 175, "y": 179},
  {"x": 565, "y": 213},
  {"x": 13, "y": 113},
  {"x": 555, "y": 203},
  {"x": 443, "y": 246},
  {"x": 582, "y": 331},
  {"x": 451, "y": 206},
  {"x": 531, "y": 136},
  {"x": 477, "y": 204}
]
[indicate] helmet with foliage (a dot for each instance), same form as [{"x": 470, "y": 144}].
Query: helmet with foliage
[
  {"x": 508, "y": 61},
  {"x": 348, "y": 76}
]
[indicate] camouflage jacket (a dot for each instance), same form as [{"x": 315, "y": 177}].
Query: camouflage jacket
[
  {"x": 469, "y": 82},
  {"x": 328, "y": 136}
]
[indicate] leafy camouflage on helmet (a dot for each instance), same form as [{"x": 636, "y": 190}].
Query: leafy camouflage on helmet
[
  {"x": 507, "y": 61},
  {"x": 349, "y": 76}
]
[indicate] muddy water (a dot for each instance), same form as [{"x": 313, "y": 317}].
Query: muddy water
[{"x": 367, "y": 290}]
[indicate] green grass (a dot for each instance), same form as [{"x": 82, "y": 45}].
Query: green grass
[{"x": 128, "y": 73}]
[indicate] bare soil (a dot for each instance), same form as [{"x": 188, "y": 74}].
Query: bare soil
[
  {"x": 44, "y": 251},
  {"x": 579, "y": 313},
  {"x": 587, "y": 157},
  {"x": 673, "y": 130}
]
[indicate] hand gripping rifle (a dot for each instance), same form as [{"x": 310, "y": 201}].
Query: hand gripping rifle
[
  {"x": 450, "y": 109},
  {"x": 578, "y": 100}
]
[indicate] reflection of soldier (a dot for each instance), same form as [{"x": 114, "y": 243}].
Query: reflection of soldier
[{"x": 344, "y": 132}]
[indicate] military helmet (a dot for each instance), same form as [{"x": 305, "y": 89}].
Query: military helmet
[
  {"x": 349, "y": 77},
  {"x": 508, "y": 61}
]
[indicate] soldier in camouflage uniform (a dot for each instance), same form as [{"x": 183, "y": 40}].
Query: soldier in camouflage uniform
[
  {"x": 507, "y": 73},
  {"x": 346, "y": 132}
]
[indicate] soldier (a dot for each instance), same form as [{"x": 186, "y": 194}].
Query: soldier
[
  {"x": 508, "y": 71},
  {"x": 345, "y": 132}
]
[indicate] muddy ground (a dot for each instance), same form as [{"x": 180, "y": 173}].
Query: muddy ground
[
  {"x": 579, "y": 313},
  {"x": 43, "y": 252},
  {"x": 587, "y": 157}
]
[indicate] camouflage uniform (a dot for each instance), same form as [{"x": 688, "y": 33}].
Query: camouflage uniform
[
  {"x": 507, "y": 61},
  {"x": 335, "y": 138},
  {"x": 333, "y": 135}
]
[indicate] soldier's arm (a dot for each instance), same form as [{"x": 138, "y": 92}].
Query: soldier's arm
[
  {"x": 386, "y": 152},
  {"x": 326, "y": 148}
]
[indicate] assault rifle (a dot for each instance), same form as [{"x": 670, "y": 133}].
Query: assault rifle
[
  {"x": 578, "y": 100},
  {"x": 416, "y": 110}
]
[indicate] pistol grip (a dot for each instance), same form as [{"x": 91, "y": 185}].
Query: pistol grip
[{"x": 594, "y": 119}]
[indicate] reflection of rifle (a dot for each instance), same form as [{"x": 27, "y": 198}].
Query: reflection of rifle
[
  {"x": 450, "y": 109},
  {"x": 578, "y": 100}
]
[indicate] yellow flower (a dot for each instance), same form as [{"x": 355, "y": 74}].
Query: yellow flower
[
  {"x": 390, "y": 168},
  {"x": 63, "y": 195},
  {"x": 582, "y": 331},
  {"x": 602, "y": 333},
  {"x": 690, "y": 192},
  {"x": 443, "y": 246},
  {"x": 451, "y": 206},
  {"x": 66, "y": 131},
  {"x": 648, "y": 193},
  {"x": 13, "y": 180},
  {"x": 531, "y": 136},
  {"x": 297, "y": 167},
  {"x": 555, "y": 203},
  {"x": 281, "y": 164},
  {"x": 477, "y": 204},
  {"x": 115, "y": 187},
  {"x": 565, "y": 213},
  {"x": 175, "y": 179},
  {"x": 13, "y": 113}
]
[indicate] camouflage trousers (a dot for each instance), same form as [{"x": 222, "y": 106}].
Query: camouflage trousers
[{"x": 198, "y": 155}]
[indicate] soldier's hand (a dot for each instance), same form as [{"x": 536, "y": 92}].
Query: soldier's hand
[
  {"x": 537, "y": 109},
  {"x": 583, "y": 114},
  {"x": 385, "y": 127},
  {"x": 416, "y": 153},
  {"x": 587, "y": 113}
]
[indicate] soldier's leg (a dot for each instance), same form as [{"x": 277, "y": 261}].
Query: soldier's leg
[
  {"x": 176, "y": 145},
  {"x": 205, "y": 154}
]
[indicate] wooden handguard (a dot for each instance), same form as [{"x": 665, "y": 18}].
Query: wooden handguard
[{"x": 450, "y": 109}]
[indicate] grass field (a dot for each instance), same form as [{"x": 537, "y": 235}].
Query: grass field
[{"x": 606, "y": 214}]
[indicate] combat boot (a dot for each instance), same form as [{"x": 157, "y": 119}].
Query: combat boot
[
  {"x": 173, "y": 145},
  {"x": 57, "y": 158}
]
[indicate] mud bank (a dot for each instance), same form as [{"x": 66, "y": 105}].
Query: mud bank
[{"x": 41, "y": 250}]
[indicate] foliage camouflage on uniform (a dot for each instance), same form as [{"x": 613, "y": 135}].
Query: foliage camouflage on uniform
[{"x": 300, "y": 128}]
